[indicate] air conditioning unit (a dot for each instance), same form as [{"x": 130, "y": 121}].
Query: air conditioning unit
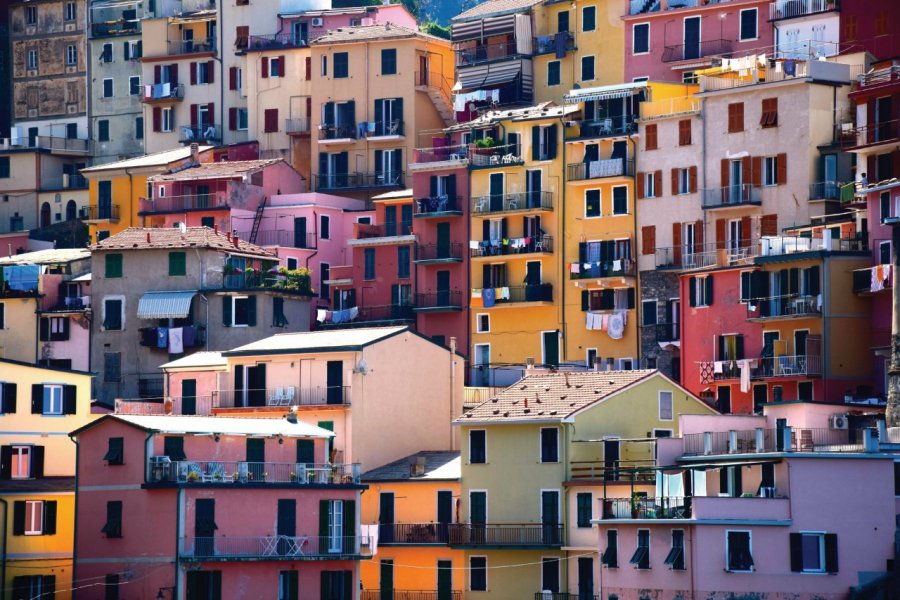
[
  {"x": 317, "y": 22},
  {"x": 838, "y": 422}
]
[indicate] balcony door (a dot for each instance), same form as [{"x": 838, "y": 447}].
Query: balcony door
[
  {"x": 691, "y": 38},
  {"x": 496, "y": 191},
  {"x": 533, "y": 188},
  {"x": 478, "y": 515},
  {"x": 482, "y": 375},
  {"x": 736, "y": 177},
  {"x": 585, "y": 578},
  {"x": 386, "y": 580},
  {"x": 187, "y": 40},
  {"x": 256, "y": 385},
  {"x": 611, "y": 460},
  {"x": 444, "y": 515},
  {"x": 444, "y": 579},
  {"x": 204, "y": 527},
  {"x": 299, "y": 232},
  {"x": 334, "y": 381},
  {"x": 882, "y": 119},
  {"x": 386, "y": 517},
  {"x": 442, "y": 286},
  {"x": 550, "y": 347},
  {"x": 388, "y": 116},
  {"x": 300, "y": 33},
  {"x": 189, "y": 396},
  {"x": 287, "y": 524},
  {"x": 550, "y": 516},
  {"x": 443, "y": 240}
]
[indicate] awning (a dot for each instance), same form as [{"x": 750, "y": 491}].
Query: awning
[
  {"x": 165, "y": 305},
  {"x": 489, "y": 75},
  {"x": 604, "y": 92}
]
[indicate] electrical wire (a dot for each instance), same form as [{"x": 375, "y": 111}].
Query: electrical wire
[
  {"x": 80, "y": 587},
  {"x": 512, "y": 566}
]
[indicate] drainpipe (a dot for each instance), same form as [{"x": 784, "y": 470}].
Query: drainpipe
[
  {"x": 561, "y": 227},
  {"x": 3, "y": 552},
  {"x": 204, "y": 298},
  {"x": 74, "y": 532},
  {"x": 634, "y": 250},
  {"x": 452, "y": 386}
]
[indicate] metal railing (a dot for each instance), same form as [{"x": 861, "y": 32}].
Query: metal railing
[
  {"x": 64, "y": 303},
  {"x": 284, "y": 396},
  {"x": 772, "y": 366},
  {"x": 597, "y": 128},
  {"x": 611, "y": 268},
  {"x": 440, "y": 154},
  {"x": 287, "y": 238},
  {"x": 439, "y": 299},
  {"x": 256, "y": 280},
  {"x": 788, "y": 439},
  {"x": 872, "y": 280},
  {"x": 784, "y": 305},
  {"x": 275, "y": 41},
  {"x": 498, "y": 203},
  {"x": 47, "y": 142},
  {"x": 789, "y": 9},
  {"x": 692, "y": 256},
  {"x": 109, "y": 212},
  {"x": 152, "y": 337},
  {"x": 176, "y": 405},
  {"x": 272, "y": 547},
  {"x": 695, "y": 51},
  {"x": 296, "y": 126},
  {"x": 868, "y": 135},
  {"x": 335, "y": 181},
  {"x": 548, "y": 43},
  {"x": 825, "y": 190},
  {"x": 439, "y": 252},
  {"x": 115, "y": 28},
  {"x": 669, "y": 107},
  {"x": 192, "y": 46},
  {"x": 383, "y": 128},
  {"x": 438, "y": 205},
  {"x": 163, "y": 91},
  {"x": 513, "y": 246},
  {"x": 643, "y": 507},
  {"x": 775, "y": 245},
  {"x": 411, "y": 595},
  {"x": 540, "y": 292},
  {"x": 879, "y": 76},
  {"x": 595, "y": 169},
  {"x": 375, "y": 313},
  {"x": 480, "y": 53},
  {"x": 413, "y": 533},
  {"x": 151, "y": 388},
  {"x": 732, "y": 195},
  {"x": 210, "y": 132},
  {"x": 620, "y": 470},
  {"x": 330, "y": 131},
  {"x": 495, "y": 156},
  {"x": 211, "y": 200},
  {"x": 389, "y": 229},
  {"x": 243, "y": 472},
  {"x": 507, "y": 534},
  {"x": 66, "y": 181}
]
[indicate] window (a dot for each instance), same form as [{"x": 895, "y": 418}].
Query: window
[
  {"x": 620, "y": 200},
  {"x": 4, "y": 167},
  {"x": 640, "y": 38},
  {"x": 770, "y": 170},
  {"x": 584, "y": 503},
  {"x": 649, "y": 183},
  {"x": 369, "y": 264},
  {"x": 748, "y": 24},
  {"x": 478, "y": 573},
  {"x": 543, "y": 142},
  {"x": 324, "y": 227},
  {"x": 884, "y": 203},
  {"x": 683, "y": 181},
  {"x": 701, "y": 291},
  {"x": 52, "y": 400},
  {"x": 587, "y": 68},
  {"x": 106, "y": 55},
  {"x": 689, "y": 77},
  {"x": 649, "y": 312},
  {"x": 139, "y": 128},
  {"x": 553, "y": 74},
  {"x": 34, "y": 517},
  {"x": 665, "y": 406},
  {"x": 288, "y": 585},
  {"x": 111, "y": 587},
  {"x": 684, "y": 132},
  {"x": 814, "y": 552},
  {"x": 71, "y": 55},
  {"x": 403, "y": 262},
  {"x": 113, "y": 266},
  {"x": 549, "y": 445},
  {"x": 177, "y": 264},
  {"x": 477, "y": 447},
  {"x": 675, "y": 558},
  {"x": 115, "y": 452},
  {"x": 108, "y": 87},
  {"x": 738, "y": 556},
  {"x": 610, "y": 556},
  {"x": 278, "y": 317},
  {"x": 167, "y": 120},
  {"x": 592, "y": 203},
  {"x": 21, "y": 463},
  {"x": 133, "y": 50},
  {"x": 341, "y": 65},
  {"x": 641, "y": 557},
  {"x": 324, "y": 66},
  {"x": 134, "y": 85},
  {"x": 483, "y": 323},
  {"x": 112, "y": 367},
  {"x": 550, "y": 575},
  {"x": 746, "y": 277},
  {"x": 736, "y": 117},
  {"x": 30, "y": 15},
  {"x": 389, "y": 61},
  {"x": 32, "y": 60},
  {"x": 270, "y": 120},
  {"x": 113, "y": 526},
  {"x": 239, "y": 311},
  {"x": 54, "y": 329},
  {"x": 103, "y": 130},
  {"x": 173, "y": 447},
  {"x": 70, "y": 11},
  {"x": 113, "y": 314},
  {"x": 589, "y": 18},
  {"x": 769, "y": 116}
]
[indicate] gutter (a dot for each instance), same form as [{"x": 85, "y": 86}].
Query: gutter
[{"x": 74, "y": 525}]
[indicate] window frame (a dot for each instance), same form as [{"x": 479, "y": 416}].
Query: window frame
[
  {"x": 345, "y": 71},
  {"x": 484, "y": 457},
  {"x": 33, "y": 61},
  {"x": 37, "y": 512},
  {"x": 234, "y": 315},
  {"x": 613, "y": 200},
  {"x": 579, "y": 522},
  {"x": 599, "y": 203},
  {"x": 770, "y": 171},
  {"x": 593, "y": 63},
  {"x": 71, "y": 55},
  {"x": 56, "y": 395},
  {"x": 134, "y": 85},
  {"x": 654, "y": 311},
  {"x": 605, "y": 560},
  {"x": 749, "y": 533},
  {"x": 31, "y": 15},
  {"x": 637, "y": 559},
  {"x": 478, "y": 318},
  {"x": 394, "y": 63},
  {"x": 821, "y": 537},
  {"x": 112, "y": 87},
  {"x": 22, "y": 453},
  {"x": 113, "y": 298},
  {"x": 659, "y": 399},
  {"x": 167, "y": 120},
  {"x": 741, "y": 37},
  {"x": 481, "y": 569},
  {"x": 584, "y": 11},
  {"x": 634, "y": 28},
  {"x": 650, "y": 184},
  {"x": 558, "y": 79},
  {"x": 70, "y": 12},
  {"x": 541, "y": 458}
]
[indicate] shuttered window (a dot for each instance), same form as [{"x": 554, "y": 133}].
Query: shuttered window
[
  {"x": 177, "y": 264},
  {"x": 650, "y": 134},
  {"x": 113, "y": 264},
  {"x": 736, "y": 117},
  {"x": 115, "y": 451},
  {"x": 769, "y": 117},
  {"x": 684, "y": 132},
  {"x": 113, "y": 526},
  {"x": 270, "y": 120}
]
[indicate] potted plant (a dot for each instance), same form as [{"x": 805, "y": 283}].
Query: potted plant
[
  {"x": 193, "y": 476},
  {"x": 635, "y": 505},
  {"x": 293, "y": 477}
]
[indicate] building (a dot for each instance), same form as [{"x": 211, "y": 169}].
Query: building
[
  {"x": 652, "y": 52},
  {"x": 405, "y": 78},
  {"x": 737, "y": 509},
  {"x": 216, "y": 290},
  {"x": 574, "y": 434},
  {"x": 813, "y": 28},
  {"x": 40, "y": 405},
  {"x": 412, "y": 503},
  {"x": 198, "y": 476}
]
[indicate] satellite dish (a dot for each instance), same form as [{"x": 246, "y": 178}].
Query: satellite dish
[{"x": 362, "y": 367}]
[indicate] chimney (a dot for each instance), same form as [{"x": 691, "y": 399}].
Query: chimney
[
  {"x": 452, "y": 344},
  {"x": 216, "y": 228},
  {"x": 195, "y": 152},
  {"x": 235, "y": 239},
  {"x": 148, "y": 237}
]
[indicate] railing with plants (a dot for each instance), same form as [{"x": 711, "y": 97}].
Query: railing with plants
[
  {"x": 296, "y": 281},
  {"x": 161, "y": 469}
]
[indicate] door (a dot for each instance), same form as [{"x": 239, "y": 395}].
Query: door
[
  {"x": 202, "y": 196},
  {"x": 300, "y": 232},
  {"x": 423, "y": 70},
  {"x": 533, "y": 273},
  {"x": 444, "y": 579},
  {"x": 723, "y": 401},
  {"x": 768, "y": 354},
  {"x": 478, "y": 515},
  {"x": 550, "y": 516},
  {"x": 591, "y": 153},
  {"x": 334, "y": 380},
  {"x": 829, "y": 172},
  {"x": 444, "y": 514},
  {"x": 287, "y": 525},
  {"x": 736, "y": 177},
  {"x": 585, "y": 578},
  {"x": 482, "y": 365},
  {"x": 443, "y": 288},
  {"x": 386, "y": 517},
  {"x": 45, "y": 214},
  {"x": 780, "y": 426},
  {"x": 189, "y": 397},
  {"x": 533, "y": 189},
  {"x": 496, "y": 187},
  {"x": 562, "y": 21},
  {"x": 691, "y": 38},
  {"x": 551, "y": 348},
  {"x": 204, "y": 527},
  {"x": 800, "y": 345},
  {"x": 443, "y": 240},
  {"x": 300, "y": 32},
  {"x": 611, "y": 460},
  {"x": 882, "y": 119},
  {"x": 386, "y": 579},
  {"x": 760, "y": 397},
  {"x": 256, "y": 385}
]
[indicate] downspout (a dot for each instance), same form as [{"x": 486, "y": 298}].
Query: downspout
[
  {"x": 203, "y": 297},
  {"x": 637, "y": 296},
  {"x": 561, "y": 227},
  {"x": 452, "y": 387},
  {"x": 3, "y": 552},
  {"x": 218, "y": 57},
  {"x": 74, "y": 531}
]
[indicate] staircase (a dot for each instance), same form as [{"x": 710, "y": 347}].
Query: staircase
[
  {"x": 438, "y": 90},
  {"x": 257, "y": 219}
]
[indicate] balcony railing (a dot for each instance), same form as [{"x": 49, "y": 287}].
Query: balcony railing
[
  {"x": 732, "y": 195},
  {"x": 873, "y": 280},
  {"x": 284, "y": 396},
  {"x": 518, "y": 201},
  {"x": 881, "y": 76},
  {"x": 337, "y": 181},
  {"x": 595, "y": 169},
  {"x": 61, "y": 145},
  {"x": 439, "y": 206},
  {"x": 163, "y": 91},
  {"x": 286, "y": 238},
  {"x": 115, "y": 28},
  {"x": 385, "y": 128},
  {"x": 276, "y": 41},
  {"x": 504, "y": 155},
  {"x": 226, "y": 472},
  {"x": 790, "y": 9},
  {"x": 788, "y": 439},
  {"x": 151, "y": 387},
  {"x": 669, "y": 107},
  {"x": 209, "y": 132},
  {"x": 195, "y": 46},
  {"x": 664, "y": 332},
  {"x": 614, "y": 471},
  {"x": 785, "y": 305},
  {"x": 440, "y": 253},
  {"x": 512, "y": 246},
  {"x": 152, "y": 337},
  {"x": 825, "y": 190},
  {"x": 69, "y": 303},
  {"x": 443, "y": 299},
  {"x": 696, "y": 51},
  {"x": 66, "y": 181},
  {"x": 638, "y": 7},
  {"x": 273, "y": 547},
  {"x": 390, "y": 229},
  {"x": 209, "y": 201},
  {"x": 291, "y": 283},
  {"x": 360, "y": 315},
  {"x": 330, "y": 131},
  {"x": 411, "y": 595},
  {"x": 598, "y": 128},
  {"x": 565, "y": 596},
  {"x": 418, "y": 534},
  {"x": 440, "y": 154},
  {"x": 108, "y": 212},
  {"x": 870, "y": 135},
  {"x": 176, "y": 405},
  {"x": 541, "y": 292},
  {"x": 693, "y": 256},
  {"x": 481, "y": 53},
  {"x": 642, "y": 507},
  {"x": 509, "y": 535},
  {"x": 297, "y": 126},
  {"x": 620, "y": 267},
  {"x": 546, "y": 44},
  {"x": 804, "y": 365},
  {"x": 777, "y": 245}
]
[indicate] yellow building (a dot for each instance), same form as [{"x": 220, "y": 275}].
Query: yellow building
[
  {"x": 115, "y": 189},
  {"x": 412, "y": 503},
  {"x": 39, "y": 407},
  {"x": 536, "y": 460},
  {"x": 375, "y": 89}
]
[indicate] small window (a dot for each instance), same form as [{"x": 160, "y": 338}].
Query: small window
[
  {"x": 675, "y": 558},
  {"x": 31, "y": 15},
  {"x": 640, "y": 42},
  {"x": 241, "y": 311},
  {"x": 70, "y": 14},
  {"x": 53, "y": 400},
  {"x": 477, "y": 447},
  {"x": 587, "y": 68},
  {"x": 112, "y": 314},
  {"x": 684, "y": 132},
  {"x": 641, "y": 557},
  {"x": 71, "y": 55},
  {"x": 620, "y": 200},
  {"x": 610, "y": 556},
  {"x": 275, "y": 67},
  {"x": 108, "y": 90},
  {"x": 113, "y": 266},
  {"x": 324, "y": 66},
  {"x": 103, "y": 130},
  {"x": 584, "y": 502},
  {"x": 4, "y": 167},
  {"x": 701, "y": 290},
  {"x": 769, "y": 117},
  {"x": 292, "y": 264},
  {"x": 112, "y": 367},
  {"x": 805, "y": 391},
  {"x": 549, "y": 445},
  {"x": 34, "y": 517},
  {"x": 177, "y": 264},
  {"x": 650, "y": 184},
  {"x": 589, "y": 18},
  {"x": 665, "y": 406},
  {"x": 341, "y": 65},
  {"x": 748, "y": 24},
  {"x": 478, "y": 573},
  {"x": 884, "y": 204},
  {"x": 736, "y": 117},
  {"x": 32, "y": 60},
  {"x": 369, "y": 264},
  {"x": 21, "y": 462},
  {"x": 389, "y": 61},
  {"x": 649, "y": 312},
  {"x": 242, "y": 119},
  {"x": 770, "y": 170},
  {"x": 113, "y": 526},
  {"x": 324, "y": 227},
  {"x": 738, "y": 555},
  {"x": 168, "y": 121},
  {"x": 134, "y": 85},
  {"x": 690, "y": 77},
  {"x": 115, "y": 453},
  {"x": 139, "y": 128},
  {"x": 403, "y": 264},
  {"x": 278, "y": 317},
  {"x": 592, "y": 203},
  {"x": 553, "y": 73},
  {"x": 684, "y": 181},
  {"x": 483, "y": 321}
]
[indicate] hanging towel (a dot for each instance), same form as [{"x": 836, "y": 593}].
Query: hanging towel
[
  {"x": 589, "y": 320},
  {"x": 617, "y": 265},
  {"x": 616, "y": 327},
  {"x": 575, "y": 268},
  {"x": 489, "y": 296},
  {"x": 745, "y": 375},
  {"x": 476, "y": 293},
  {"x": 353, "y": 313},
  {"x": 717, "y": 366},
  {"x": 320, "y": 315},
  {"x": 337, "y": 317},
  {"x": 562, "y": 38},
  {"x": 876, "y": 283},
  {"x": 504, "y": 293},
  {"x": 162, "y": 337},
  {"x": 188, "y": 336},
  {"x": 176, "y": 341},
  {"x": 473, "y": 244}
]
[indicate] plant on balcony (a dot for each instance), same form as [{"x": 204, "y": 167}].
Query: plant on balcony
[
  {"x": 193, "y": 476},
  {"x": 230, "y": 269},
  {"x": 485, "y": 142},
  {"x": 293, "y": 477},
  {"x": 635, "y": 505}
]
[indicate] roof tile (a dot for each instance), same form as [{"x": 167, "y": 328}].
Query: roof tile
[{"x": 147, "y": 238}]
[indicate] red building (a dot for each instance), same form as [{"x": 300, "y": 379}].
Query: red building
[{"x": 163, "y": 502}]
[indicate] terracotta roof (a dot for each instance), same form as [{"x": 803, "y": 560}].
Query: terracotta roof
[
  {"x": 380, "y": 31},
  {"x": 553, "y": 396},
  {"x": 494, "y": 7},
  {"x": 136, "y": 238},
  {"x": 197, "y": 360},
  {"x": 51, "y": 256},
  {"x": 226, "y": 169},
  {"x": 440, "y": 465}
]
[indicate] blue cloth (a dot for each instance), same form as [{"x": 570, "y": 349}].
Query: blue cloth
[
  {"x": 23, "y": 278},
  {"x": 790, "y": 67},
  {"x": 488, "y": 297},
  {"x": 562, "y": 38},
  {"x": 337, "y": 316},
  {"x": 189, "y": 336},
  {"x": 162, "y": 337}
]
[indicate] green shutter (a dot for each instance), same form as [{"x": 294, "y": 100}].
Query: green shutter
[
  {"x": 349, "y": 542},
  {"x": 226, "y": 311},
  {"x": 325, "y": 585},
  {"x": 535, "y": 142},
  {"x": 551, "y": 151},
  {"x": 347, "y": 577},
  {"x": 251, "y": 311},
  {"x": 49, "y": 517},
  {"x": 177, "y": 264},
  {"x": 324, "y": 519},
  {"x": 113, "y": 265},
  {"x": 585, "y": 300}
]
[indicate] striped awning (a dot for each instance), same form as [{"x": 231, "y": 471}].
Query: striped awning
[
  {"x": 485, "y": 76},
  {"x": 483, "y": 28},
  {"x": 605, "y": 92},
  {"x": 165, "y": 305}
]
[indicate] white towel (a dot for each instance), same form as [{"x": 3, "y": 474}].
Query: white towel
[
  {"x": 176, "y": 340},
  {"x": 473, "y": 244},
  {"x": 354, "y": 312},
  {"x": 617, "y": 265},
  {"x": 575, "y": 268},
  {"x": 320, "y": 315},
  {"x": 717, "y": 366},
  {"x": 504, "y": 293}
]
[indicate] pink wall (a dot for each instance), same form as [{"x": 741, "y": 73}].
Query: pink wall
[{"x": 393, "y": 13}]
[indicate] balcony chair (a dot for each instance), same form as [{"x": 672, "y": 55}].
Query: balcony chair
[
  {"x": 214, "y": 472},
  {"x": 278, "y": 400},
  {"x": 785, "y": 366},
  {"x": 289, "y": 396},
  {"x": 539, "y": 243},
  {"x": 481, "y": 204}
]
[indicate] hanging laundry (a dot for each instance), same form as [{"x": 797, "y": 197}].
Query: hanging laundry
[
  {"x": 876, "y": 283},
  {"x": 189, "y": 336},
  {"x": 504, "y": 293},
  {"x": 744, "y": 366},
  {"x": 320, "y": 315},
  {"x": 353, "y": 313},
  {"x": 162, "y": 337},
  {"x": 616, "y": 327},
  {"x": 489, "y": 297},
  {"x": 176, "y": 340},
  {"x": 473, "y": 244},
  {"x": 706, "y": 372},
  {"x": 718, "y": 367},
  {"x": 575, "y": 268}
]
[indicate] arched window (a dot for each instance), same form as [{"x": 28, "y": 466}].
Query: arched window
[
  {"x": 45, "y": 214},
  {"x": 71, "y": 210}
]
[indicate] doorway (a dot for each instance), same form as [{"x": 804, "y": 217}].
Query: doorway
[{"x": 691, "y": 38}]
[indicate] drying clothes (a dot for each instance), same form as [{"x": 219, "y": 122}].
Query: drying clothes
[
  {"x": 718, "y": 367},
  {"x": 504, "y": 293},
  {"x": 744, "y": 365},
  {"x": 353, "y": 313},
  {"x": 176, "y": 340},
  {"x": 617, "y": 265},
  {"x": 337, "y": 317},
  {"x": 189, "y": 336},
  {"x": 616, "y": 327},
  {"x": 575, "y": 268},
  {"x": 489, "y": 297},
  {"x": 162, "y": 337},
  {"x": 562, "y": 39},
  {"x": 320, "y": 315},
  {"x": 473, "y": 244},
  {"x": 876, "y": 282},
  {"x": 706, "y": 372}
]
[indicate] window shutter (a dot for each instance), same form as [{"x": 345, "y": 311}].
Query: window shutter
[
  {"x": 232, "y": 78},
  {"x": 232, "y": 118},
  {"x": 796, "y": 552},
  {"x": 324, "y": 519},
  {"x": 19, "y": 517},
  {"x": 781, "y": 169},
  {"x": 193, "y": 115},
  {"x": 769, "y": 225},
  {"x": 251, "y": 311},
  {"x": 650, "y": 134},
  {"x": 698, "y": 234},
  {"x": 814, "y": 275},
  {"x": 673, "y": 179},
  {"x": 192, "y": 67},
  {"x": 739, "y": 348},
  {"x": 226, "y": 311},
  {"x": 210, "y": 71},
  {"x": 37, "y": 399},
  {"x": 504, "y": 232},
  {"x": 745, "y": 231},
  {"x": 308, "y": 68},
  {"x": 709, "y": 290},
  {"x": 349, "y": 541},
  {"x": 535, "y": 142},
  {"x": 657, "y": 184},
  {"x": 157, "y": 74},
  {"x": 552, "y": 141},
  {"x": 5, "y": 462},
  {"x": 157, "y": 118},
  {"x": 631, "y": 298},
  {"x": 692, "y": 175},
  {"x": 724, "y": 173},
  {"x": 831, "y": 553},
  {"x": 49, "y": 517},
  {"x": 585, "y": 300},
  {"x": 9, "y": 398},
  {"x": 64, "y": 334},
  {"x": 211, "y": 111},
  {"x": 264, "y": 67},
  {"x": 721, "y": 225},
  {"x": 794, "y": 282},
  {"x": 692, "y": 289},
  {"x": 324, "y": 576},
  {"x": 70, "y": 395},
  {"x": 640, "y": 184},
  {"x": 37, "y": 461},
  {"x": 723, "y": 473},
  {"x": 648, "y": 239},
  {"x": 607, "y": 299},
  {"x": 45, "y": 329},
  {"x": 756, "y": 171},
  {"x": 746, "y": 174},
  {"x": 281, "y": 63}
]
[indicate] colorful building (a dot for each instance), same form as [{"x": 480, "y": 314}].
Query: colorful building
[
  {"x": 197, "y": 476},
  {"x": 39, "y": 406},
  {"x": 541, "y": 448},
  {"x": 412, "y": 503}
]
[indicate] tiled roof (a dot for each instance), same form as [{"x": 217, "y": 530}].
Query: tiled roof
[
  {"x": 553, "y": 396},
  {"x": 545, "y": 110},
  {"x": 324, "y": 341},
  {"x": 157, "y": 159},
  {"x": 46, "y": 257},
  {"x": 380, "y": 31},
  {"x": 225, "y": 169},
  {"x": 196, "y": 360},
  {"x": 493, "y": 7},
  {"x": 147, "y": 238},
  {"x": 395, "y": 195},
  {"x": 198, "y": 425},
  {"x": 439, "y": 465}
]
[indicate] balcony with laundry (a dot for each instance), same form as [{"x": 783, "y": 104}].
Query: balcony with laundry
[
  {"x": 163, "y": 93},
  {"x": 534, "y": 200},
  {"x": 605, "y": 111},
  {"x": 599, "y": 159},
  {"x": 112, "y": 20},
  {"x": 793, "y": 9},
  {"x": 873, "y": 280},
  {"x": 602, "y": 259},
  {"x": 756, "y": 70},
  {"x": 559, "y": 43},
  {"x": 352, "y": 315},
  {"x": 190, "y": 34},
  {"x": 497, "y": 292}
]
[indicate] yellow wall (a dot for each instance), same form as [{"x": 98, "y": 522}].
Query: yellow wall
[
  {"x": 127, "y": 190},
  {"x": 18, "y": 337}
]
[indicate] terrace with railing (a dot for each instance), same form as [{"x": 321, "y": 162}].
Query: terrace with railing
[
  {"x": 696, "y": 51},
  {"x": 801, "y": 63},
  {"x": 669, "y": 107},
  {"x": 692, "y": 256},
  {"x": 542, "y": 244},
  {"x": 731, "y": 195},
  {"x": 761, "y": 507},
  {"x": 278, "y": 41},
  {"x": 439, "y": 206},
  {"x": 104, "y": 212},
  {"x": 182, "y": 203},
  {"x": 603, "y": 127},
  {"x": 438, "y": 154},
  {"x": 787, "y": 439},
  {"x": 368, "y": 231},
  {"x": 359, "y": 316},
  {"x": 507, "y": 535},
  {"x": 565, "y": 596},
  {"x": 873, "y": 279},
  {"x": 482, "y": 53},
  {"x": 163, "y": 92},
  {"x": 784, "y": 306},
  {"x": 596, "y": 169},
  {"x": 863, "y": 136},
  {"x": 176, "y": 405},
  {"x": 614, "y": 471},
  {"x": 504, "y": 155},
  {"x": 297, "y": 126},
  {"x": 514, "y": 202},
  {"x": 163, "y": 470},
  {"x": 149, "y": 337},
  {"x": 803, "y": 365},
  {"x": 112, "y": 22},
  {"x": 66, "y": 181},
  {"x": 286, "y": 396},
  {"x": 255, "y": 280},
  {"x": 548, "y": 44},
  {"x": 439, "y": 253},
  {"x": 194, "y": 46},
  {"x": 413, "y": 534},
  {"x": 57, "y": 145},
  {"x": 441, "y": 300},
  {"x": 791, "y": 9},
  {"x": 338, "y": 181},
  {"x": 539, "y": 292},
  {"x": 208, "y": 132},
  {"x": 825, "y": 190},
  {"x": 879, "y": 77},
  {"x": 332, "y": 131},
  {"x": 664, "y": 332},
  {"x": 274, "y": 547}
]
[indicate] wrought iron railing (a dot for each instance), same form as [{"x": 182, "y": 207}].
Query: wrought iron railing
[
  {"x": 243, "y": 472},
  {"x": 284, "y": 396},
  {"x": 695, "y": 51},
  {"x": 732, "y": 195},
  {"x": 541, "y": 292},
  {"x": 789, "y": 439},
  {"x": 605, "y": 127},
  {"x": 334, "y": 181},
  {"x": 643, "y": 507},
  {"x": 439, "y": 299},
  {"x": 192, "y": 46},
  {"x": 210, "y": 132},
  {"x": 595, "y": 169},
  {"x": 272, "y": 547},
  {"x": 498, "y": 203},
  {"x": 513, "y": 246},
  {"x": 413, "y": 533},
  {"x": 439, "y": 252},
  {"x": 438, "y": 205},
  {"x": 507, "y": 534}
]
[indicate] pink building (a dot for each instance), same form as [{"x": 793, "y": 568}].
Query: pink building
[
  {"x": 197, "y": 476},
  {"x": 667, "y": 40},
  {"x": 799, "y": 502}
]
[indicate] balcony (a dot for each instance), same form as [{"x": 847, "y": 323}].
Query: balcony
[
  {"x": 694, "y": 256},
  {"x": 514, "y": 247},
  {"x": 508, "y": 535},
  {"x": 151, "y": 388},
  {"x": 56, "y": 145},
  {"x": 781, "y": 245},
  {"x": 274, "y": 547},
  {"x": 439, "y": 301},
  {"x": 439, "y": 253},
  {"x": 547, "y": 44},
  {"x": 428, "y": 156},
  {"x": 285, "y": 396},
  {"x": 825, "y": 190},
  {"x": 176, "y": 405},
  {"x": 66, "y": 181},
  {"x": 329, "y": 132},
  {"x": 540, "y": 292},
  {"x": 515, "y": 202},
  {"x": 287, "y": 239},
  {"x": 872, "y": 135},
  {"x": 873, "y": 280},
  {"x": 791, "y": 9},
  {"x": 70, "y": 303},
  {"x": 162, "y": 93},
  {"x": 100, "y": 214},
  {"x": 620, "y": 267},
  {"x": 565, "y": 596},
  {"x": 615, "y": 471},
  {"x": 669, "y": 107},
  {"x": 506, "y": 155},
  {"x": 346, "y": 181},
  {"x": 805, "y": 365},
  {"x": 600, "y": 128},
  {"x": 189, "y": 202},
  {"x": 639, "y": 7},
  {"x": 209, "y": 132},
  {"x": 298, "y": 126},
  {"x": 787, "y": 306},
  {"x": 597, "y": 169},
  {"x": 256, "y": 280},
  {"x": 161, "y": 470},
  {"x": 696, "y": 51},
  {"x": 276, "y": 41},
  {"x": 878, "y": 77},
  {"x": 788, "y": 439},
  {"x": 644, "y": 507},
  {"x": 364, "y": 316},
  {"x": 129, "y": 25},
  {"x": 413, "y": 595},
  {"x": 482, "y": 53},
  {"x": 151, "y": 337},
  {"x": 195, "y": 46},
  {"x": 439, "y": 206},
  {"x": 413, "y": 534},
  {"x": 365, "y": 234},
  {"x": 664, "y": 332},
  {"x": 386, "y": 129},
  {"x": 732, "y": 195},
  {"x": 759, "y": 508}
]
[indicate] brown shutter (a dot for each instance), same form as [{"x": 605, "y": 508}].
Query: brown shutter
[
  {"x": 157, "y": 118},
  {"x": 745, "y": 170},
  {"x": 676, "y": 243},
  {"x": 210, "y": 71},
  {"x": 698, "y": 234},
  {"x": 725, "y": 169},
  {"x": 769, "y": 225},
  {"x": 193, "y": 115},
  {"x": 692, "y": 173},
  {"x": 746, "y": 234},
  {"x": 648, "y": 239},
  {"x": 308, "y": 68},
  {"x": 736, "y": 117},
  {"x": 193, "y": 70},
  {"x": 756, "y": 171},
  {"x": 650, "y": 133},
  {"x": 232, "y": 118},
  {"x": 781, "y": 169},
  {"x": 281, "y": 63},
  {"x": 684, "y": 132},
  {"x": 720, "y": 233},
  {"x": 657, "y": 184},
  {"x": 264, "y": 67},
  {"x": 674, "y": 181},
  {"x": 640, "y": 184},
  {"x": 232, "y": 78}
]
